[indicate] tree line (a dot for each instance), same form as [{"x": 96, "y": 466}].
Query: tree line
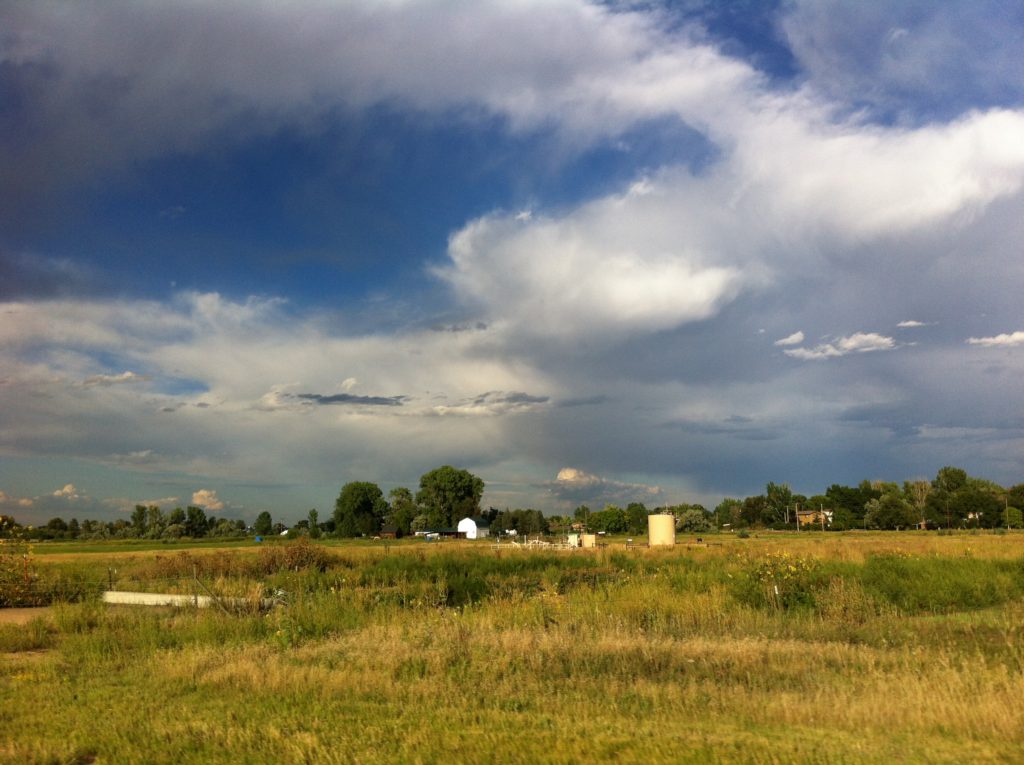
[{"x": 953, "y": 499}]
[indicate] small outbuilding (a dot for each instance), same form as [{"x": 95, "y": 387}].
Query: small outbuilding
[{"x": 474, "y": 528}]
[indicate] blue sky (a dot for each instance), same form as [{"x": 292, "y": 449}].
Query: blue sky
[{"x": 590, "y": 251}]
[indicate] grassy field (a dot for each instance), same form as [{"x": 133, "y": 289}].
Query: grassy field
[{"x": 821, "y": 648}]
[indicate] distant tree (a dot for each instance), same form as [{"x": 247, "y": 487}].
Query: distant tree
[
  {"x": 890, "y": 511},
  {"x": 419, "y": 523},
  {"x": 314, "y": 524},
  {"x": 155, "y": 522},
  {"x": 755, "y": 510},
  {"x": 778, "y": 504},
  {"x": 1012, "y": 517},
  {"x": 729, "y": 512},
  {"x": 977, "y": 504},
  {"x": 195, "y": 522},
  {"x": 176, "y": 517},
  {"x": 693, "y": 520},
  {"x": 449, "y": 494},
  {"x": 401, "y": 509},
  {"x": 611, "y": 520},
  {"x": 636, "y": 518},
  {"x": 139, "y": 518},
  {"x": 74, "y": 530},
  {"x": 582, "y": 515},
  {"x": 263, "y": 524},
  {"x": 949, "y": 480},
  {"x": 359, "y": 509}
]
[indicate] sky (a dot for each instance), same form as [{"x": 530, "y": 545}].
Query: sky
[{"x": 592, "y": 252}]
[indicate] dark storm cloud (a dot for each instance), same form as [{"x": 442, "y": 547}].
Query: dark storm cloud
[{"x": 350, "y": 399}]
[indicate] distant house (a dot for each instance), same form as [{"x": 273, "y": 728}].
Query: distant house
[
  {"x": 391, "y": 531},
  {"x": 474, "y": 528}
]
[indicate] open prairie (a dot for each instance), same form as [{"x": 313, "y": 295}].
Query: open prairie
[{"x": 825, "y": 648}]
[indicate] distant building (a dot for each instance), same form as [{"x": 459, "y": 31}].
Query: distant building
[{"x": 474, "y": 528}]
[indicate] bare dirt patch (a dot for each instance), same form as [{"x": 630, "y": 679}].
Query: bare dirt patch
[{"x": 22, "y": 615}]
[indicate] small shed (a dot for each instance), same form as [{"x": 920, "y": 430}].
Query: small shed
[
  {"x": 474, "y": 528},
  {"x": 390, "y": 531}
]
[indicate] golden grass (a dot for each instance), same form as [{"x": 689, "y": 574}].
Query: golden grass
[{"x": 654, "y": 660}]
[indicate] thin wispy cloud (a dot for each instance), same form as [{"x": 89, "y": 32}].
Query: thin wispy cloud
[{"x": 795, "y": 339}]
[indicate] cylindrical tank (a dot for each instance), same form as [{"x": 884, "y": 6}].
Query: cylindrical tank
[{"x": 661, "y": 530}]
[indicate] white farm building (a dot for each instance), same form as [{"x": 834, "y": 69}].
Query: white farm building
[{"x": 474, "y": 528}]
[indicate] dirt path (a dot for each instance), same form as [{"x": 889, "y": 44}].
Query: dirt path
[{"x": 22, "y": 615}]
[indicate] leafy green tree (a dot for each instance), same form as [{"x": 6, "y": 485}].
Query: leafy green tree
[
  {"x": 611, "y": 520},
  {"x": 401, "y": 509},
  {"x": 694, "y": 520},
  {"x": 977, "y": 505},
  {"x": 1012, "y": 517},
  {"x": 636, "y": 518},
  {"x": 195, "y": 522},
  {"x": 778, "y": 504},
  {"x": 176, "y": 517},
  {"x": 139, "y": 518},
  {"x": 449, "y": 494},
  {"x": 582, "y": 515},
  {"x": 359, "y": 509},
  {"x": 314, "y": 524},
  {"x": 156, "y": 522},
  {"x": 264, "y": 524},
  {"x": 729, "y": 512},
  {"x": 755, "y": 510},
  {"x": 890, "y": 511}
]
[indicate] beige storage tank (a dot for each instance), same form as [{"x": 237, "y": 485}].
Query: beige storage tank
[{"x": 661, "y": 530}]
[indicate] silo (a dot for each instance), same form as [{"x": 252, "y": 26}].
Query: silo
[{"x": 661, "y": 530}]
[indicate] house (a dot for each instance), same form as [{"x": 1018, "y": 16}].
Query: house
[
  {"x": 474, "y": 528},
  {"x": 390, "y": 531}
]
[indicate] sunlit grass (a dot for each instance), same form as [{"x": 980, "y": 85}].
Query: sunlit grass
[{"x": 899, "y": 647}]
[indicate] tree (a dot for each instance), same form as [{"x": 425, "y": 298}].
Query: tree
[
  {"x": 448, "y": 494},
  {"x": 779, "y": 501},
  {"x": 693, "y": 520},
  {"x": 195, "y": 522},
  {"x": 314, "y": 524},
  {"x": 729, "y": 512},
  {"x": 636, "y": 518},
  {"x": 155, "y": 522},
  {"x": 890, "y": 511},
  {"x": 917, "y": 493},
  {"x": 264, "y": 523},
  {"x": 401, "y": 509},
  {"x": 139, "y": 518},
  {"x": 582, "y": 515},
  {"x": 611, "y": 520},
  {"x": 977, "y": 505},
  {"x": 359, "y": 509},
  {"x": 755, "y": 509},
  {"x": 176, "y": 518}
]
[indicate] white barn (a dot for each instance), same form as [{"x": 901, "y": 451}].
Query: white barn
[{"x": 474, "y": 528}]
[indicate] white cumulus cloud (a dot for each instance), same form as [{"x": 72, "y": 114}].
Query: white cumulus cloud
[
  {"x": 858, "y": 342},
  {"x": 999, "y": 341},
  {"x": 207, "y": 499}
]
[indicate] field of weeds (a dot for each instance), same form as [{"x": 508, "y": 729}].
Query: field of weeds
[{"x": 822, "y": 648}]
